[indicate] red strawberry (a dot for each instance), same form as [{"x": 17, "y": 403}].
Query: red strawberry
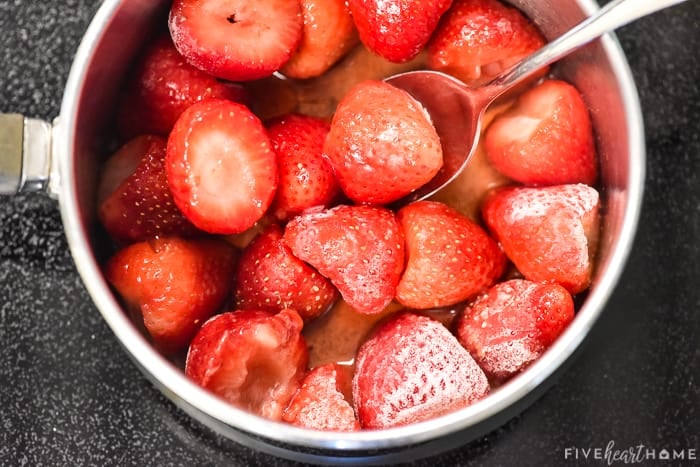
[
  {"x": 449, "y": 257},
  {"x": 238, "y": 40},
  {"x": 320, "y": 403},
  {"x": 221, "y": 168},
  {"x": 545, "y": 139},
  {"x": 382, "y": 144},
  {"x": 412, "y": 369},
  {"x": 306, "y": 178},
  {"x": 253, "y": 359},
  {"x": 477, "y": 39},
  {"x": 397, "y": 29},
  {"x": 513, "y": 323},
  {"x": 549, "y": 233},
  {"x": 329, "y": 33},
  {"x": 175, "y": 283},
  {"x": 358, "y": 248},
  {"x": 271, "y": 278},
  {"x": 135, "y": 202},
  {"x": 162, "y": 86}
]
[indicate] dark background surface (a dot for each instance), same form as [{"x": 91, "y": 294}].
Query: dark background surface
[{"x": 69, "y": 395}]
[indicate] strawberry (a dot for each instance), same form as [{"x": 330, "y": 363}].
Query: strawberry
[
  {"x": 162, "y": 86},
  {"x": 271, "y": 278},
  {"x": 175, "y": 284},
  {"x": 237, "y": 40},
  {"x": 135, "y": 202},
  {"x": 413, "y": 369},
  {"x": 449, "y": 257},
  {"x": 306, "y": 178},
  {"x": 478, "y": 39},
  {"x": 253, "y": 359},
  {"x": 358, "y": 248},
  {"x": 382, "y": 144},
  {"x": 545, "y": 139},
  {"x": 549, "y": 233},
  {"x": 397, "y": 29},
  {"x": 513, "y": 323},
  {"x": 329, "y": 33},
  {"x": 220, "y": 165},
  {"x": 320, "y": 403}
]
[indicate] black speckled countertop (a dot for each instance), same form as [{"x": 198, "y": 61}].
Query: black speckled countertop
[{"x": 69, "y": 395}]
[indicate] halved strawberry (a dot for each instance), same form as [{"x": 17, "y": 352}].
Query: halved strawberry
[
  {"x": 320, "y": 402},
  {"x": 175, "y": 284},
  {"x": 513, "y": 323},
  {"x": 545, "y": 139},
  {"x": 397, "y": 29},
  {"x": 413, "y": 369},
  {"x": 271, "y": 278},
  {"x": 382, "y": 144},
  {"x": 162, "y": 86},
  {"x": 329, "y": 33},
  {"x": 221, "y": 167},
  {"x": 238, "y": 40},
  {"x": 134, "y": 199},
  {"x": 449, "y": 258},
  {"x": 477, "y": 39},
  {"x": 358, "y": 248},
  {"x": 306, "y": 178},
  {"x": 550, "y": 233}
]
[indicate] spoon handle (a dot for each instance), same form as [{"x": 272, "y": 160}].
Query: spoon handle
[{"x": 615, "y": 14}]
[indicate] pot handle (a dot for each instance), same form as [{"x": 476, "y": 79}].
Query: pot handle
[{"x": 25, "y": 155}]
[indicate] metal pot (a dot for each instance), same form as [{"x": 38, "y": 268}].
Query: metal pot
[{"x": 63, "y": 159}]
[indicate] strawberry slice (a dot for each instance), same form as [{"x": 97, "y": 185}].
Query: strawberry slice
[
  {"x": 397, "y": 29},
  {"x": 329, "y": 33},
  {"x": 545, "y": 139},
  {"x": 220, "y": 165},
  {"x": 358, "y": 248},
  {"x": 382, "y": 144},
  {"x": 135, "y": 202},
  {"x": 513, "y": 323},
  {"x": 550, "y": 233},
  {"x": 238, "y": 40},
  {"x": 174, "y": 284},
  {"x": 320, "y": 402},
  {"x": 162, "y": 86},
  {"x": 306, "y": 178},
  {"x": 449, "y": 257},
  {"x": 271, "y": 278},
  {"x": 478, "y": 39},
  {"x": 253, "y": 359},
  {"x": 413, "y": 369}
]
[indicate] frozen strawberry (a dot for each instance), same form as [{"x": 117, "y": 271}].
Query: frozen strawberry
[
  {"x": 413, "y": 369},
  {"x": 271, "y": 278},
  {"x": 162, "y": 86},
  {"x": 320, "y": 402},
  {"x": 221, "y": 167},
  {"x": 175, "y": 284},
  {"x": 134, "y": 199},
  {"x": 253, "y": 359},
  {"x": 545, "y": 139},
  {"x": 329, "y": 33},
  {"x": 306, "y": 178},
  {"x": 358, "y": 248},
  {"x": 382, "y": 144},
  {"x": 478, "y": 39},
  {"x": 449, "y": 258},
  {"x": 238, "y": 40},
  {"x": 397, "y": 29},
  {"x": 550, "y": 233},
  {"x": 513, "y": 323}
]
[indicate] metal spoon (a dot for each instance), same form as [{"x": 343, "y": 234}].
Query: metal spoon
[{"x": 457, "y": 109}]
